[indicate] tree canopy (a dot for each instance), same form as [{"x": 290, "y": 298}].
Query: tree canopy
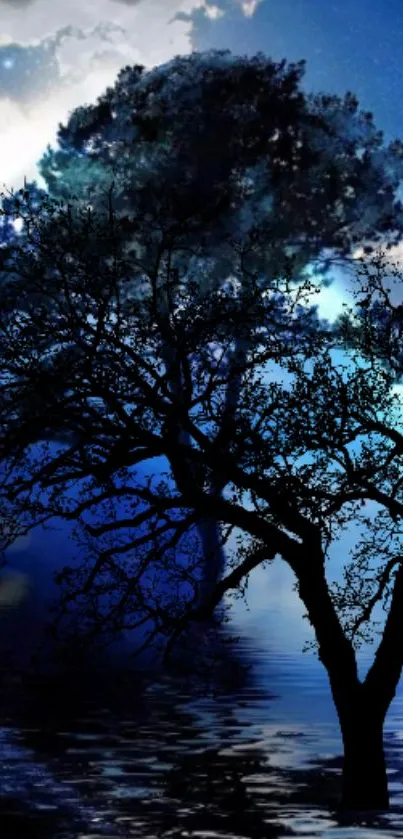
[
  {"x": 210, "y": 147},
  {"x": 222, "y": 168}
]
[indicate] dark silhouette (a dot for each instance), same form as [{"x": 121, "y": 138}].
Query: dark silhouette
[
  {"x": 222, "y": 166},
  {"x": 306, "y": 452},
  {"x": 116, "y": 349}
]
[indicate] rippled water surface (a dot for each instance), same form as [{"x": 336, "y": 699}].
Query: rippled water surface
[{"x": 261, "y": 758}]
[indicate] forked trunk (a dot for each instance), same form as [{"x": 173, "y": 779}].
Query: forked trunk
[{"x": 361, "y": 706}]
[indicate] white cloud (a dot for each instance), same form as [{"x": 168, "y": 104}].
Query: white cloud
[
  {"x": 151, "y": 37},
  {"x": 329, "y": 301},
  {"x": 249, "y": 7},
  {"x": 213, "y": 12}
]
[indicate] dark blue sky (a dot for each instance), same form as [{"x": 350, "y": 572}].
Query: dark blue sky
[{"x": 348, "y": 45}]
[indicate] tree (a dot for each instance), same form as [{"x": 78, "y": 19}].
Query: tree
[
  {"x": 305, "y": 452},
  {"x": 222, "y": 167},
  {"x": 62, "y": 264},
  {"x": 373, "y": 326}
]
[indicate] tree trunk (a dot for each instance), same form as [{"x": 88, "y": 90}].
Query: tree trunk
[
  {"x": 214, "y": 558},
  {"x": 365, "y": 782},
  {"x": 361, "y": 706}
]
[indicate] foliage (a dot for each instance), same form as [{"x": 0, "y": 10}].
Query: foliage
[
  {"x": 305, "y": 452},
  {"x": 312, "y": 439},
  {"x": 77, "y": 361},
  {"x": 373, "y": 327},
  {"x": 222, "y": 170},
  {"x": 211, "y": 148},
  {"x": 172, "y": 327}
]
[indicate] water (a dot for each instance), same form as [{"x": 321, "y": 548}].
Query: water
[{"x": 136, "y": 758}]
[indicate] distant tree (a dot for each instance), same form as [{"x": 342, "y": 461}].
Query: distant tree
[
  {"x": 221, "y": 167},
  {"x": 305, "y": 452}
]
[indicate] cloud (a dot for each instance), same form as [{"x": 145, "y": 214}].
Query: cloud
[
  {"x": 214, "y": 9},
  {"x": 21, "y": 4},
  {"x": 48, "y": 66},
  {"x": 249, "y": 7}
]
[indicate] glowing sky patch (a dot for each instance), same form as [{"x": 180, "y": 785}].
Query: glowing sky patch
[
  {"x": 329, "y": 301},
  {"x": 51, "y": 65}
]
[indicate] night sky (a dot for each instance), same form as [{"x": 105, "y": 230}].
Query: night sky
[{"x": 55, "y": 56}]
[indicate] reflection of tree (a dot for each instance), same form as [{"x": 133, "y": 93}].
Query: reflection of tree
[
  {"x": 168, "y": 764},
  {"x": 19, "y": 818},
  {"x": 153, "y": 739},
  {"x": 209, "y": 654}
]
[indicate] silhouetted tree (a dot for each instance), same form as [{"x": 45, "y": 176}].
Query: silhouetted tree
[
  {"x": 312, "y": 440},
  {"x": 373, "y": 325},
  {"x": 223, "y": 167},
  {"x": 56, "y": 273}
]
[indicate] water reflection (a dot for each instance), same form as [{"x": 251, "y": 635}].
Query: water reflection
[{"x": 120, "y": 755}]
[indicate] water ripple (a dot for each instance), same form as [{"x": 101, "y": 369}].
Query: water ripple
[{"x": 159, "y": 760}]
